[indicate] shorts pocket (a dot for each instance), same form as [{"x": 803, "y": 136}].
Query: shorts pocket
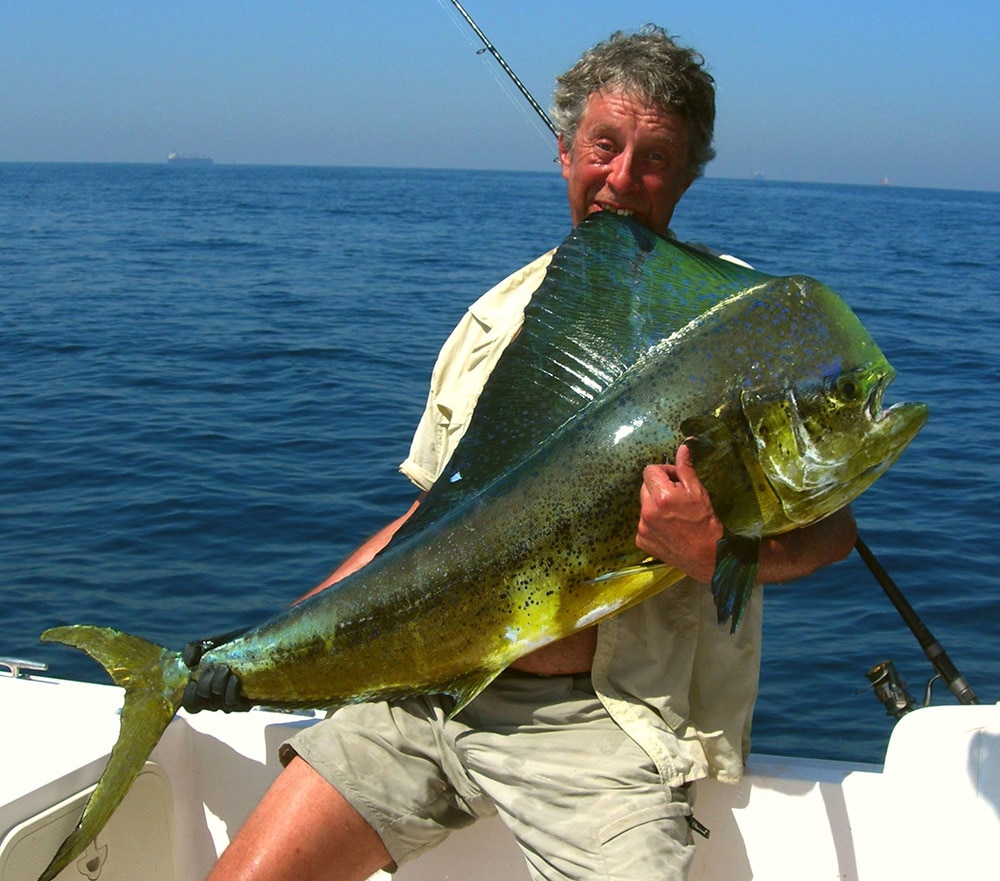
[{"x": 653, "y": 844}]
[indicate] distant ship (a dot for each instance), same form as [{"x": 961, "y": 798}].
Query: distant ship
[{"x": 176, "y": 158}]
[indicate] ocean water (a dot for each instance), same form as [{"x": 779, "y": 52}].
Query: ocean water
[{"x": 208, "y": 377}]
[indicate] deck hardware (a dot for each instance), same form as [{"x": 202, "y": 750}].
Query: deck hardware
[{"x": 17, "y": 665}]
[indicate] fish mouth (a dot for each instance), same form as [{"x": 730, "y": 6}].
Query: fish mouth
[
  {"x": 892, "y": 428},
  {"x": 903, "y": 419},
  {"x": 874, "y": 407},
  {"x": 814, "y": 472}
]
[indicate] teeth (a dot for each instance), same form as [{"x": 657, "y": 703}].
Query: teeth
[{"x": 621, "y": 212}]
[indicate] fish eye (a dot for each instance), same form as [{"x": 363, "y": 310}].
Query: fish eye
[{"x": 849, "y": 388}]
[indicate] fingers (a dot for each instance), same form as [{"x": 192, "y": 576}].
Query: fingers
[
  {"x": 659, "y": 481},
  {"x": 684, "y": 472},
  {"x": 684, "y": 464},
  {"x": 677, "y": 523},
  {"x": 218, "y": 688},
  {"x": 190, "y": 699}
]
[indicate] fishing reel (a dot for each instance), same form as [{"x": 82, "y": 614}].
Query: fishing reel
[{"x": 890, "y": 688}]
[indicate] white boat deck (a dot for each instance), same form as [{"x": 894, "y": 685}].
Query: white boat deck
[{"x": 932, "y": 811}]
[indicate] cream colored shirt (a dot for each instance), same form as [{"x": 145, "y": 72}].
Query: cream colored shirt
[{"x": 680, "y": 685}]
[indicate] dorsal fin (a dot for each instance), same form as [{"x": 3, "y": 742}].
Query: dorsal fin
[{"x": 612, "y": 290}]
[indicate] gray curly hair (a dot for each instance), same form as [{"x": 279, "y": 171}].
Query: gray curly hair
[{"x": 648, "y": 64}]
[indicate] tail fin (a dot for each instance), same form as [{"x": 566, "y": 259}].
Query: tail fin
[{"x": 154, "y": 680}]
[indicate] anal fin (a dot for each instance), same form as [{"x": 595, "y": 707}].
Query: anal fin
[{"x": 466, "y": 690}]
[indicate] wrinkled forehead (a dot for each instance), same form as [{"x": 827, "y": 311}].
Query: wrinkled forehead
[
  {"x": 625, "y": 116},
  {"x": 635, "y": 100}
]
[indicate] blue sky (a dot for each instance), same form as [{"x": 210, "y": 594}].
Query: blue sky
[{"x": 846, "y": 92}]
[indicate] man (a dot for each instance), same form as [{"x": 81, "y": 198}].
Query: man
[{"x": 585, "y": 747}]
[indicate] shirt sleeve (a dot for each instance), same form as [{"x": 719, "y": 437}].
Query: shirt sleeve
[{"x": 464, "y": 365}]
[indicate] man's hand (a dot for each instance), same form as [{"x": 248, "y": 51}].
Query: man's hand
[
  {"x": 677, "y": 524},
  {"x": 217, "y": 688}
]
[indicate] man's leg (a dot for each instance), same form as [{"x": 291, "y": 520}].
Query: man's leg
[
  {"x": 581, "y": 797},
  {"x": 302, "y": 828}
]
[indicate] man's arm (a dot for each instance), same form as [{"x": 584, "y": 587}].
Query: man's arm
[
  {"x": 678, "y": 526},
  {"x": 365, "y": 553}
]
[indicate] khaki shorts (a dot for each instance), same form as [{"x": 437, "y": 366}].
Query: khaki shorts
[{"x": 582, "y": 799}]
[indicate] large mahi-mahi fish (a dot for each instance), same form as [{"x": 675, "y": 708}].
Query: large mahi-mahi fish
[{"x": 631, "y": 345}]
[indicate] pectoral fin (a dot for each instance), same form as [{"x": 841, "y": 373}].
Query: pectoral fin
[
  {"x": 709, "y": 441},
  {"x": 737, "y": 562},
  {"x": 638, "y": 581},
  {"x": 466, "y": 690},
  {"x": 623, "y": 588},
  {"x": 723, "y": 472},
  {"x": 734, "y": 501}
]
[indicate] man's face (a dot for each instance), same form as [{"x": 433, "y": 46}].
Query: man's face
[{"x": 627, "y": 157}]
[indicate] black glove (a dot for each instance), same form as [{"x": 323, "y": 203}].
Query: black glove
[
  {"x": 193, "y": 651},
  {"x": 217, "y": 688}
]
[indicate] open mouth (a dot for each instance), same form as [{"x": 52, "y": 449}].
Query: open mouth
[
  {"x": 614, "y": 209},
  {"x": 874, "y": 406}
]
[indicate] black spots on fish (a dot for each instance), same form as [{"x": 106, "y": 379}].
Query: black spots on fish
[
  {"x": 525, "y": 596},
  {"x": 546, "y": 566},
  {"x": 529, "y": 602},
  {"x": 626, "y": 401},
  {"x": 505, "y": 602}
]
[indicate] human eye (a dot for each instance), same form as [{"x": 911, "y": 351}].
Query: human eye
[{"x": 660, "y": 154}]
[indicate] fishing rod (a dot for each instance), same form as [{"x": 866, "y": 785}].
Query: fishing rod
[
  {"x": 888, "y": 685},
  {"x": 506, "y": 68},
  {"x": 882, "y": 676}
]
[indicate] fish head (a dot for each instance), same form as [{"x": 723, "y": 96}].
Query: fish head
[{"x": 822, "y": 435}]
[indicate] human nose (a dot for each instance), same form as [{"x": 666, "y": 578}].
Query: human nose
[{"x": 623, "y": 174}]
